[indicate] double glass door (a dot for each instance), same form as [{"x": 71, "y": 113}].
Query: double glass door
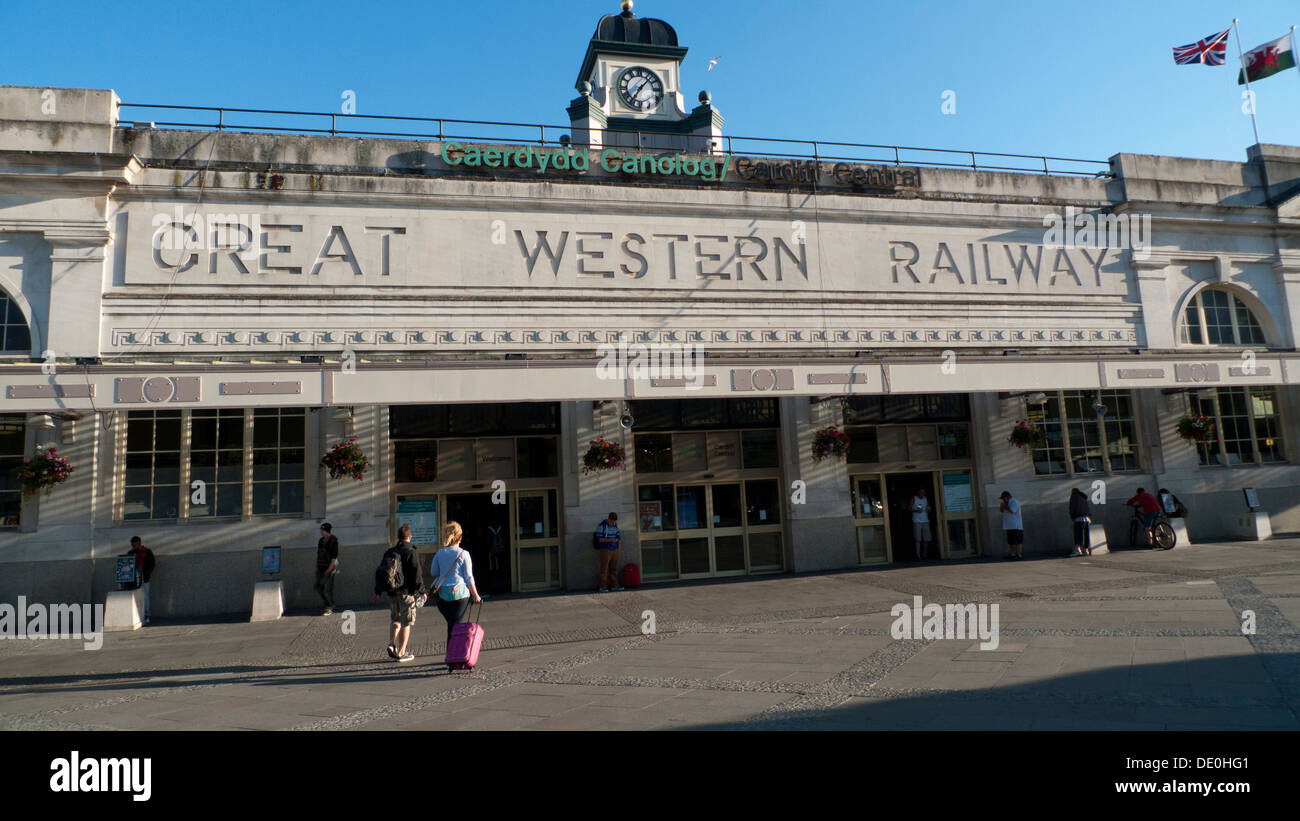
[
  {"x": 701, "y": 529},
  {"x": 528, "y": 561},
  {"x": 881, "y": 514},
  {"x": 710, "y": 533}
]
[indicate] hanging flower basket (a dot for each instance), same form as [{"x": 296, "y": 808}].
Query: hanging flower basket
[
  {"x": 830, "y": 441},
  {"x": 602, "y": 454},
  {"x": 1196, "y": 428},
  {"x": 346, "y": 459},
  {"x": 43, "y": 472},
  {"x": 1025, "y": 435}
]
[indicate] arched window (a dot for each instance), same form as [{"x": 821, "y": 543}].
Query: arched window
[
  {"x": 1218, "y": 317},
  {"x": 14, "y": 335}
]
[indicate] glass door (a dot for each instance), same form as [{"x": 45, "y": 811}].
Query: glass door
[
  {"x": 693, "y": 551},
  {"x": 728, "y": 530},
  {"x": 869, "y": 519},
  {"x": 537, "y": 540},
  {"x": 958, "y": 515}
]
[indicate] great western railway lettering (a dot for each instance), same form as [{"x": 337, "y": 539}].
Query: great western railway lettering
[
  {"x": 402, "y": 248},
  {"x": 677, "y": 256},
  {"x": 953, "y": 263}
]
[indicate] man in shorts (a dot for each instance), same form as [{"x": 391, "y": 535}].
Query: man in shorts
[
  {"x": 921, "y": 508},
  {"x": 403, "y": 602},
  {"x": 1013, "y": 526}
]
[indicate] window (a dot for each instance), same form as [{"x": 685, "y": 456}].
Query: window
[
  {"x": 14, "y": 335},
  {"x": 941, "y": 407},
  {"x": 703, "y": 414},
  {"x": 1217, "y": 317},
  {"x": 1247, "y": 427},
  {"x": 497, "y": 419},
  {"x": 168, "y": 450},
  {"x": 13, "y": 447},
  {"x": 217, "y": 460},
  {"x": 279, "y": 439},
  {"x": 153, "y": 465},
  {"x": 1077, "y": 441}
]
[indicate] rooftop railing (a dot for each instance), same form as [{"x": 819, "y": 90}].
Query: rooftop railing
[{"x": 442, "y": 129}]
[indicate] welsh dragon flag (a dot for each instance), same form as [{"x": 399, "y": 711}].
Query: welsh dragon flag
[{"x": 1268, "y": 59}]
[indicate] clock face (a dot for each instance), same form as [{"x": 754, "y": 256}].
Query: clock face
[{"x": 640, "y": 88}]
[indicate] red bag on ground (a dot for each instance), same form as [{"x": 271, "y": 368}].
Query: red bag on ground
[
  {"x": 631, "y": 575},
  {"x": 466, "y": 641}
]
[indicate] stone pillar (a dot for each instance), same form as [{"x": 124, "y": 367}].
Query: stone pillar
[
  {"x": 76, "y": 283},
  {"x": 821, "y": 527},
  {"x": 1157, "y": 312},
  {"x": 596, "y": 494},
  {"x": 1287, "y": 315}
]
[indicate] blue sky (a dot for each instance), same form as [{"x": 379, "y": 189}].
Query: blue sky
[{"x": 1081, "y": 80}]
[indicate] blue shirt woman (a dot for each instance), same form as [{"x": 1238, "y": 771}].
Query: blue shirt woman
[{"x": 452, "y": 571}]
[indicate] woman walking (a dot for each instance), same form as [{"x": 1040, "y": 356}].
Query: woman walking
[
  {"x": 1081, "y": 515},
  {"x": 453, "y": 571}
]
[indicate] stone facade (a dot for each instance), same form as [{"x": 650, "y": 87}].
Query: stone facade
[{"x": 171, "y": 269}]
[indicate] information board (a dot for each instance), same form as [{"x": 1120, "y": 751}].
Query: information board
[
  {"x": 957, "y": 497},
  {"x": 422, "y": 516},
  {"x": 125, "y": 573},
  {"x": 271, "y": 560}
]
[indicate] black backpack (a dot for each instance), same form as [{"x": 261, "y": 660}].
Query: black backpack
[{"x": 388, "y": 576}]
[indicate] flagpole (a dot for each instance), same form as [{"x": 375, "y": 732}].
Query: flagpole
[
  {"x": 1245, "y": 75},
  {"x": 1294, "y": 56}
]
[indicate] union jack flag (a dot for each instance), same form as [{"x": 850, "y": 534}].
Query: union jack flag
[{"x": 1210, "y": 51}]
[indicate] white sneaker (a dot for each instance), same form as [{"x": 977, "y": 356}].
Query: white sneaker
[
  {"x": 617, "y": 589},
  {"x": 406, "y": 657},
  {"x": 604, "y": 590}
]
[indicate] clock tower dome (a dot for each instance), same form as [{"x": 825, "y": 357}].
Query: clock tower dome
[{"x": 630, "y": 93}]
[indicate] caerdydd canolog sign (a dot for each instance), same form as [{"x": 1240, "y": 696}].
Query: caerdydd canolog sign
[
  {"x": 664, "y": 167},
  {"x": 325, "y": 246}
]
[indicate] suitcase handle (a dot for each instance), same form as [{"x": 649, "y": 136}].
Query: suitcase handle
[{"x": 480, "y": 610}]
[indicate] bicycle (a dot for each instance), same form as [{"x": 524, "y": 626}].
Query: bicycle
[{"x": 1162, "y": 532}]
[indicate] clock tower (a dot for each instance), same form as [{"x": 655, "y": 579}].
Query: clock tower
[{"x": 630, "y": 93}]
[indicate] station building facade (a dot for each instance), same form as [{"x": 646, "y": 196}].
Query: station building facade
[{"x": 195, "y": 315}]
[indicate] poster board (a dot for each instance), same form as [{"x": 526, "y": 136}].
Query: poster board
[{"x": 271, "y": 560}]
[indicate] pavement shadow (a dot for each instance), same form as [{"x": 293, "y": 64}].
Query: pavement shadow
[{"x": 1241, "y": 692}]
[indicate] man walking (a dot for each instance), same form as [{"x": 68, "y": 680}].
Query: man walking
[
  {"x": 609, "y": 540},
  {"x": 144, "y": 564},
  {"x": 398, "y": 577},
  {"x": 327, "y": 565},
  {"x": 921, "y": 522},
  {"x": 1013, "y": 526}
]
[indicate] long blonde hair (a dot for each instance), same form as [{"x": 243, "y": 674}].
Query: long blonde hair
[{"x": 451, "y": 534}]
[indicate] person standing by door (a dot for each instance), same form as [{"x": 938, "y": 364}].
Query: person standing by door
[
  {"x": 608, "y": 539},
  {"x": 1013, "y": 526},
  {"x": 1081, "y": 517},
  {"x": 327, "y": 565},
  {"x": 921, "y": 508},
  {"x": 453, "y": 571},
  {"x": 144, "y": 564}
]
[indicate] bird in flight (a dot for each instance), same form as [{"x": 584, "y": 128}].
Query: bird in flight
[{"x": 713, "y": 62}]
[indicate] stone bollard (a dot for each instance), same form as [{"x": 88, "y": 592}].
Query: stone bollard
[
  {"x": 1254, "y": 526},
  {"x": 1097, "y": 539},
  {"x": 123, "y": 609},
  {"x": 268, "y": 601}
]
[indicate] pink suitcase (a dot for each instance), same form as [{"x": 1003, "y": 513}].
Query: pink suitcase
[{"x": 466, "y": 641}]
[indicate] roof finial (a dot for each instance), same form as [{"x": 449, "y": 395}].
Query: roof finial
[{"x": 627, "y": 5}]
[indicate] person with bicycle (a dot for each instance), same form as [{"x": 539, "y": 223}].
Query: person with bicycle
[{"x": 1150, "y": 507}]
